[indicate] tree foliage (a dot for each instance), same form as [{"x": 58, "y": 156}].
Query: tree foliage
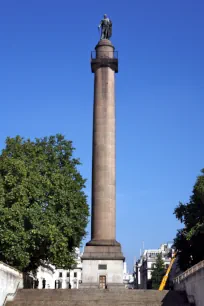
[
  {"x": 43, "y": 208},
  {"x": 158, "y": 272},
  {"x": 189, "y": 240}
]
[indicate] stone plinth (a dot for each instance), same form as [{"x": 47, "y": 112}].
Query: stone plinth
[{"x": 113, "y": 272}]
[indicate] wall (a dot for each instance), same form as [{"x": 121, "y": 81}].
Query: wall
[
  {"x": 10, "y": 278},
  {"x": 192, "y": 281}
]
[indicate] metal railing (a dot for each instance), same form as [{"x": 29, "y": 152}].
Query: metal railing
[
  {"x": 11, "y": 295},
  {"x": 104, "y": 54},
  {"x": 188, "y": 272}
]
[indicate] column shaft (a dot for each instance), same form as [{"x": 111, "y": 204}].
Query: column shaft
[{"x": 103, "y": 164}]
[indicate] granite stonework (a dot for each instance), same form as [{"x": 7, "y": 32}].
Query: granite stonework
[
  {"x": 113, "y": 272},
  {"x": 103, "y": 246}
]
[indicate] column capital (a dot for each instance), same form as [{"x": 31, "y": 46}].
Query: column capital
[{"x": 104, "y": 56}]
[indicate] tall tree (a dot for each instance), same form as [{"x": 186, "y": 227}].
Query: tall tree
[
  {"x": 189, "y": 240},
  {"x": 43, "y": 207},
  {"x": 158, "y": 272}
]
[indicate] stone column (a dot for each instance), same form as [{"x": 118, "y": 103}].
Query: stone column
[
  {"x": 103, "y": 163},
  {"x": 102, "y": 255}
]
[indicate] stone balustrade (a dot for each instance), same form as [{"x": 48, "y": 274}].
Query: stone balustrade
[
  {"x": 192, "y": 282},
  {"x": 10, "y": 280}
]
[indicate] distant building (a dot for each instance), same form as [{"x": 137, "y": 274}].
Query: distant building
[
  {"x": 144, "y": 266},
  {"x": 128, "y": 278},
  {"x": 48, "y": 277}
]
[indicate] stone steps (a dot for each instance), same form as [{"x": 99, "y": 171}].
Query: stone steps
[
  {"x": 91, "y": 303},
  {"x": 60, "y": 293},
  {"x": 96, "y": 297}
]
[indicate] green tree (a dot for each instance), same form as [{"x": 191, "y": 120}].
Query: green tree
[
  {"x": 158, "y": 272},
  {"x": 43, "y": 208},
  {"x": 189, "y": 240}
]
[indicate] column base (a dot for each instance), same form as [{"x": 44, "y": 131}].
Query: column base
[
  {"x": 103, "y": 250},
  {"x": 102, "y": 265},
  {"x": 103, "y": 243}
]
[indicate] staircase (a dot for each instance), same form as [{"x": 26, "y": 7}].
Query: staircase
[{"x": 97, "y": 297}]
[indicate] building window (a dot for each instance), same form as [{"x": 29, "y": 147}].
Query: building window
[
  {"x": 102, "y": 267},
  {"x": 75, "y": 274},
  {"x": 60, "y": 274},
  {"x": 68, "y": 274}
]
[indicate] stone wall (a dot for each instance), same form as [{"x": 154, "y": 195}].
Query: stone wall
[
  {"x": 192, "y": 281},
  {"x": 10, "y": 280}
]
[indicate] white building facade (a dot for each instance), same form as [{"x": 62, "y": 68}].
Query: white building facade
[
  {"x": 128, "y": 278},
  {"x": 48, "y": 277},
  {"x": 145, "y": 265}
]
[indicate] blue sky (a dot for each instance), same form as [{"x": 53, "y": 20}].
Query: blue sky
[{"x": 46, "y": 87}]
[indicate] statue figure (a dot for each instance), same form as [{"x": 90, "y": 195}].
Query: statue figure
[{"x": 106, "y": 27}]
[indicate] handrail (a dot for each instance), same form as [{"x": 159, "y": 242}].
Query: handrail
[
  {"x": 188, "y": 272},
  {"x": 11, "y": 294}
]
